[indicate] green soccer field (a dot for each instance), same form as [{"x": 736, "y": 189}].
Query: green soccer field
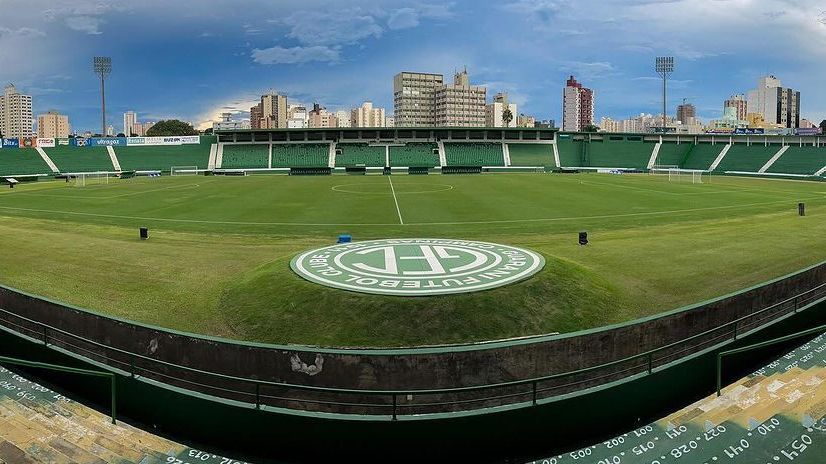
[{"x": 217, "y": 261}]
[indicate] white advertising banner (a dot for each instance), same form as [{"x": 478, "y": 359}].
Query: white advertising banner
[
  {"x": 46, "y": 142},
  {"x": 176, "y": 140}
]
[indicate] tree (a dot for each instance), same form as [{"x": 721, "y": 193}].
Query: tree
[
  {"x": 823, "y": 126},
  {"x": 590, "y": 128},
  {"x": 121, "y": 134},
  {"x": 208, "y": 131},
  {"x": 507, "y": 117},
  {"x": 171, "y": 127}
]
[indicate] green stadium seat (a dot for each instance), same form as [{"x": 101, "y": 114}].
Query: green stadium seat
[
  {"x": 701, "y": 156},
  {"x": 245, "y": 156},
  {"x": 571, "y": 152},
  {"x": 474, "y": 154},
  {"x": 531, "y": 154},
  {"x": 300, "y": 155},
  {"x": 162, "y": 158},
  {"x": 673, "y": 154},
  {"x": 747, "y": 158},
  {"x": 415, "y": 155},
  {"x": 360, "y": 154},
  {"x": 15, "y": 162},
  {"x": 80, "y": 159},
  {"x": 800, "y": 160},
  {"x": 619, "y": 154}
]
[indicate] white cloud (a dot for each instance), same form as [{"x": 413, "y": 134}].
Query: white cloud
[
  {"x": 87, "y": 24},
  {"x": 332, "y": 28},
  {"x": 24, "y": 32},
  {"x": 295, "y": 55},
  {"x": 403, "y": 18},
  {"x": 590, "y": 70}
]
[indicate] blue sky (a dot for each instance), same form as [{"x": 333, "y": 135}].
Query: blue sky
[{"x": 192, "y": 60}]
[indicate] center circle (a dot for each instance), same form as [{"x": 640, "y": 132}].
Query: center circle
[
  {"x": 417, "y": 266},
  {"x": 384, "y": 189}
]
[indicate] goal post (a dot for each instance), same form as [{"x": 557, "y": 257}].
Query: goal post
[
  {"x": 84, "y": 179},
  {"x": 183, "y": 170},
  {"x": 675, "y": 174}
]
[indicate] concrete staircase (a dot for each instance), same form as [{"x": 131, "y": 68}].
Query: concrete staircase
[
  {"x": 114, "y": 158},
  {"x": 777, "y": 414},
  {"x": 38, "y": 425},
  {"x": 47, "y": 160}
]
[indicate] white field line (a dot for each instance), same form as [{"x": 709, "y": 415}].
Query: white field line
[
  {"x": 504, "y": 221},
  {"x": 396, "y": 200}
]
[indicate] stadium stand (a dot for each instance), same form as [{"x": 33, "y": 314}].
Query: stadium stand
[
  {"x": 619, "y": 153},
  {"x": 360, "y": 154},
  {"x": 80, "y": 159},
  {"x": 747, "y": 158},
  {"x": 474, "y": 154},
  {"x": 701, "y": 156},
  {"x": 800, "y": 160},
  {"x": 414, "y": 155},
  {"x": 245, "y": 156},
  {"x": 306, "y": 155},
  {"x": 531, "y": 154},
  {"x": 777, "y": 414},
  {"x": 38, "y": 425},
  {"x": 22, "y": 162},
  {"x": 571, "y": 152},
  {"x": 672, "y": 154},
  {"x": 161, "y": 158}
]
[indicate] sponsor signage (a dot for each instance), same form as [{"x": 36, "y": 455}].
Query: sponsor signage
[
  {"x": 64, "y": 142},
  {"x": 77, "y": 142},
  {"x": 45, "y": 142},
  {"x": 749, "y": 131},
  {"x": 417, "y": 267},
  {"x": 177, "y": 140},
  {"x": 106, "y": 142},
  {"x": 11, "y": 143},
  {"x": 808, "y": 131},
  {"x": 28, "y": 142}
]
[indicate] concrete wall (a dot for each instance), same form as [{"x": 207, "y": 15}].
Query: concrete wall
[{"x": 413, "y": 369}]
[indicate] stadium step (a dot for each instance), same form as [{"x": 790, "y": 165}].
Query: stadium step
[
  {"x": 821, "y": 172},
  {"x": 773, "y": 159},
  {"x": 442, "y": 156},
  {"x": 506, "y": 154},
  {"x": 38, "y": 425},
  {"x": 47, "y": 160},
  {"x": 331, "y": 160},
  {"x": 556, "y": 153},
  {"x": 213, "y": 153},
  {"x": 760, "y": 418},
  {"x": 654, "y": 153},
  {"x": 114, "y": 158},
  {"x": 219, "y": 156},
  {"x": 720, "y": 157}
]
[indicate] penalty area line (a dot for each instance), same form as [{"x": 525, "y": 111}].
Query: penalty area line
[{"x": 396, "y": 200}]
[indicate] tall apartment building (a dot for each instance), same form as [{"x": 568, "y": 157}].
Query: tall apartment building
[
  {"x": 367, "y": 116},
  {"x": 270, "y": 113},
  {"x": 577, "y": 106},
  {"x": 15, "y": 113},
  {"x": 686, "y": 113},
  {"x": 343, "y": 118},
  {"x": 740, "y": 105},
  {"x": 414, "y": 98},
  {"x": 297, "y": 117},
  {"x": 53, "y": 125},
  {"x": 321, "y": 118},
  {"x": 130, "y": 118},
  {"x": 778, "y": 106},
  {"x": 494, "y": 115},
  {"x": 461, "y": 104}
]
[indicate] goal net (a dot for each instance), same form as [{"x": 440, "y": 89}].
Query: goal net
[
  {"x": 676, "y": 174},
  {"x": 91, "y": 178},
  {"x": 183, "y": 170}
]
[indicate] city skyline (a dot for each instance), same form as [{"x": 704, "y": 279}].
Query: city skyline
[{"x": 220, "y": 58}]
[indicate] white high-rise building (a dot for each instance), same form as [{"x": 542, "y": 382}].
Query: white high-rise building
[
  {"x": 343, "y": 118},
  {"x": 495, "y": 112},
  {"x": 778, "y": 106},
  {"x": 15, "y": 113},
  {"x": 297, "y": 117},
  {"x": 130, "y": 118},
  {"x": 367, "y": 116},
  {"x": 461, "y": 104}
]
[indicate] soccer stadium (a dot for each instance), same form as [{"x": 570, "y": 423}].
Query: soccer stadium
[{"x": 422, "y": 294}]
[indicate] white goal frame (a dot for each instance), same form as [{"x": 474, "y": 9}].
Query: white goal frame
[
  {"x": 82, "y": 179},
  {"x": 675, "y": 174},
  {"x": 183, "y": 171}
]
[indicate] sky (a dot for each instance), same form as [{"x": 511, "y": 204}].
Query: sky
[{"x": 193, "y": 60}]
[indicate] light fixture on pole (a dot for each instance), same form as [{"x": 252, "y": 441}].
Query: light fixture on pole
[
  {"x": 103, "y": 67},
  {"x": 664, "y": 66}
]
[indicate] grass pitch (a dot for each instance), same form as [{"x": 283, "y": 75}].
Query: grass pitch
[{"x": 217, "y": 261}]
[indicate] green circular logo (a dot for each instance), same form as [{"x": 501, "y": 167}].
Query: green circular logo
[{"x": 417, "y": 266}]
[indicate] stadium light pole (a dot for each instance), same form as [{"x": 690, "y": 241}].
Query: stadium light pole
[
  {"x": 664, "y": 65},
  {"x": 103, "y": 67}
]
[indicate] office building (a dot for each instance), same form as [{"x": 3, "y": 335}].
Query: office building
[
  {"x": 227, "y": 123},
  {"x": 319, "y": 117},
  {"x": 130, "y": 118},
  {"x": 53, "y": 125},
  {"x": 15, "y": 113},
  {"x": 343, "y": 118},
  {"x": 460, "y": 104},
  {"x": 779, "y": 106},
  {"x": 740, "y": 105},
  {"x": 367, "y": 116},
  {"x": 414, "y": 98},
  {"x": 577, "y": 106}
]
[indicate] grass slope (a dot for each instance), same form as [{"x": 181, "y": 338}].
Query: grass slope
[{"x": 218, "y": 258}]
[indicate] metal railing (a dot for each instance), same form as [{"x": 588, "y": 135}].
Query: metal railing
[
  {"x": 816, "y": 330},
  {"x": 70, "y": 370},
  {"x": 394, "y": 403}
]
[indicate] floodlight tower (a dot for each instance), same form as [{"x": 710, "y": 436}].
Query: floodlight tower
[
  {"x": 103, "y": 67},
  {"x": 664, "y": 66}
]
